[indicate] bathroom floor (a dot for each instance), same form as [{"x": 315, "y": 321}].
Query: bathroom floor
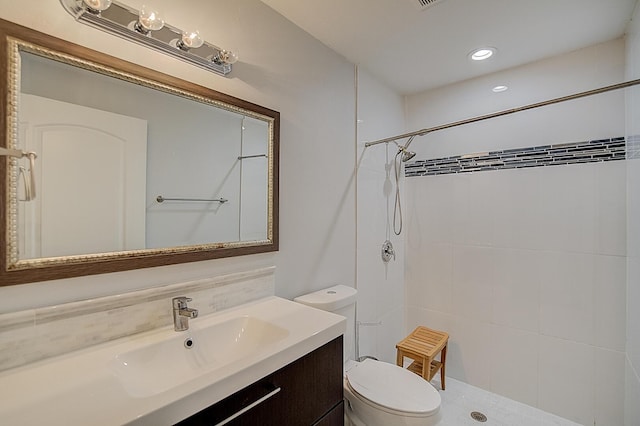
[{"x": 460, "y": 399}]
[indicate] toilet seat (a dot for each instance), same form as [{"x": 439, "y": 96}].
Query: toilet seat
[{"x": 393, "y": 389}]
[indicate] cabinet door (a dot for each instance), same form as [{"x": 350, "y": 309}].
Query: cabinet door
[
  {"x": 334, "y": 417},
  {"x": 301, "y": 393}
]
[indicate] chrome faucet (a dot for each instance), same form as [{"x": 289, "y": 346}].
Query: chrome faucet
[{"x": 182, "y": 313}]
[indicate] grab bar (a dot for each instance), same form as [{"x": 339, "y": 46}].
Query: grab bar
[
  {"x": 249, "y": 407},
  {"x": 162, "y": 199}
]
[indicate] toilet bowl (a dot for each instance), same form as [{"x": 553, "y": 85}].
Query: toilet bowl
[
  {"x": 382, "y": 394},
  {"x": 376, "y": 393}
]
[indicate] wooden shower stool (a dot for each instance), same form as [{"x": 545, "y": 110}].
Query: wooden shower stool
[{"x": 422, "y": 346}]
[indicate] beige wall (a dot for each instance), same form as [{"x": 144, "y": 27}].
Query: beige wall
[{"x": 280, "y": 67}]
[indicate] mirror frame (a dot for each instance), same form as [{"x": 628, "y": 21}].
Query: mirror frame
[{"x": 14, "y": 271}]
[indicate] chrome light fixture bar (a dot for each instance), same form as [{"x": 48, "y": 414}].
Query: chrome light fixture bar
[{"x": 147, "y": 28}]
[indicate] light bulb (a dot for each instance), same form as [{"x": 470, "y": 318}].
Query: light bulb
[
  {"x": 97, "y": 5},
  {"x": 150, "y": 19},
  {"x": 482, "y": 54},
  {"x": 192, "y": 39},
  {"x": 226, "y": 57}
]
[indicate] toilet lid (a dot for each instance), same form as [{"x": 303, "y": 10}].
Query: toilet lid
[{"x": 393, "y": 387}]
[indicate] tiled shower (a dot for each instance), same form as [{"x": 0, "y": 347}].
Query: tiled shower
[
  {"x": 515, "y": 238},
  {"x": 526, "y": 269}
]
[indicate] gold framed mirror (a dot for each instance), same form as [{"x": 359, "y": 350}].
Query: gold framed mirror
[{"x": 133, "y": 168}]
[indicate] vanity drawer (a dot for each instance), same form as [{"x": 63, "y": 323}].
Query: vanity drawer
[{"x": 308, "y": 391}]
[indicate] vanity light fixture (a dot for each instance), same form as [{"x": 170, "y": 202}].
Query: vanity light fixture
[
  {"x": 190, "y": 40},
  {"x": 226, "y": 57},
  {"x": 97, "y": 6},
  {"x": 149, "y": 20},
  {"x": 148, "y": 28},
  {"x": 482, "y": 54}
]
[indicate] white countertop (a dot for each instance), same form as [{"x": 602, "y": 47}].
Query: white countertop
[{"x": 80, "y": 389}]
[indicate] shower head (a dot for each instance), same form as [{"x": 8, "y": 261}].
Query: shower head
[
  {"x": 407, "y": 155},
  {"x": 404, "y": 150}
]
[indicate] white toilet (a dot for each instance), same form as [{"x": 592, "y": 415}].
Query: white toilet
[{"x": 376, "y": 393}]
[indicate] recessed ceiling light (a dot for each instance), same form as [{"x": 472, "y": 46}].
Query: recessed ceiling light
[
  {"x": 482, "y": 53},
  {"x": 499, "y": 89}
]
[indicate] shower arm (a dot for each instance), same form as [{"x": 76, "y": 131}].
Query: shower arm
[{"x": 501, "y": 113}]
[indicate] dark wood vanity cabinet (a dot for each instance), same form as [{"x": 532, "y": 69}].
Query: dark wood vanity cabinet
[{"x": 306, "y": 392}]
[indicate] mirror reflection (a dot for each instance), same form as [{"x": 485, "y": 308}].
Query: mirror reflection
[
  {"x": 125, "y": 167},
  {"x": 134, "y": 168}
]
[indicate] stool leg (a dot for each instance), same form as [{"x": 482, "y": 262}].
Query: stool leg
[
  {"x": 426, "y": 368},
  {"x": 399, "y": 358},
  {"x": 443, "y": 359}
]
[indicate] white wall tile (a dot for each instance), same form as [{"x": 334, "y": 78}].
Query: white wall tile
[
  {"x": 429, "y": 277},
  {"x": 567, "y": 379},
  {"x": 483, "y": 190},
  {"x": 633, "y": 311},
  {"x": 460, "y": 207},
  {"x": 568, "y": 209},
  {"x": 611, "y": 200},
  {"x": 567, "y": 296},
  {"x": 611, "y": 302},
  {"x": 429, "y": 210},
  {"x": 470, "y": 351},
  {"x": 632, "y": 396},
  {"x": 514, "y": 364},
  {"x": 416, "y": 316},
  {"x": 390, "y": 332},
  {"x": 609, "y": 395},
  {"x": 517, "y": 218},
  {"x": 516, "y": 289},
  {"x": 473, "y": 277}
]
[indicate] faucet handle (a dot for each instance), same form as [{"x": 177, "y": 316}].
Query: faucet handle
[{"x": 180, "y": 302}]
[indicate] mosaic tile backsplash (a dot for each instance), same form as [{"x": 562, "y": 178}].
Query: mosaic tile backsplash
[
  {"x": 537, "y": 156},
  {"x": 36, "y": 334}
]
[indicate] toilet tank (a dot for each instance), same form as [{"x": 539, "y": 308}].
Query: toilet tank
[{"x": 341, "y": 300}]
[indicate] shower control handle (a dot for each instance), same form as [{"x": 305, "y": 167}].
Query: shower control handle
[{"x": 387, "y": 251}]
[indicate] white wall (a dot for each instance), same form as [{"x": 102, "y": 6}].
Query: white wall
[
  {"x": 280, "y": 67},
  {"x": 632, "y": 373},
  {"x": 585, "y": 69},
  {"x": 380, "y": 285},
  {"x": 525, "y": 268}
]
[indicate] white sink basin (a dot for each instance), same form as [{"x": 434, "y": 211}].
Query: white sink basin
[
  {"x": 160, "y": 366},
  {"x": 151, "y": 379}
]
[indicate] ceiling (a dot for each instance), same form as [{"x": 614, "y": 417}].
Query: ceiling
[{"x": 413, "y": 50}]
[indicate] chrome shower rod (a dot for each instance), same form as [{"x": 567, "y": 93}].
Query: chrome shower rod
[{"x": 507, "y": 112}]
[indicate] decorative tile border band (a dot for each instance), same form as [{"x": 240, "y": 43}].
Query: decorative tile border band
[{"x": 537, "y": 156}]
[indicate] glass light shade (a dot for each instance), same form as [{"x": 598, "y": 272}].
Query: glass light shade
[
  {"x": 98, "y": 5},
  {"x": 228, "y": 57},
  {"x": 150, "y": 19},
  {"x": 192, "y": 39}
]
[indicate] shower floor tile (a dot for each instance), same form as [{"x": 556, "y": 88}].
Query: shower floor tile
[{"x": 460, "y": 399}]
